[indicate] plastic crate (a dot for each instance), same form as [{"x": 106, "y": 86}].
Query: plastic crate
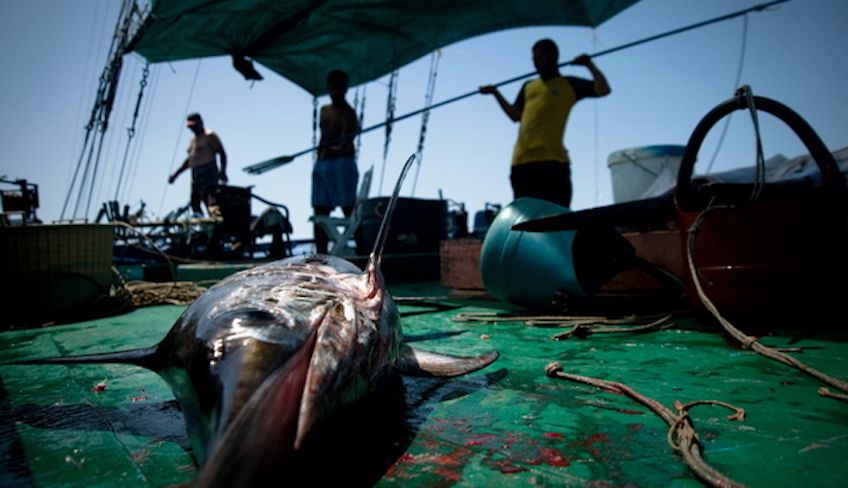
[{"x": 48, "y": 270}]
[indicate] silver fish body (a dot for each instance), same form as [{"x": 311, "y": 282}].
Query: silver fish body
[
  {"x": 316, "y": 328},
  {"x": 285, "y": 345},
  {"x": 265, "y": 357}
]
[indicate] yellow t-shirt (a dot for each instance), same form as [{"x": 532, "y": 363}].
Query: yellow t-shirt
[{"x": 542, "y": 129}]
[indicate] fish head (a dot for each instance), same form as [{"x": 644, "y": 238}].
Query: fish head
[{"x": 272, "y": 351}]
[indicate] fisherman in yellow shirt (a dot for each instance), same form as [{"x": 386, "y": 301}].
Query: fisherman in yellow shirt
[{"x": 540, "y": 163}]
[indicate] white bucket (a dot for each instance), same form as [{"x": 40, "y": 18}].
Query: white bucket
[{"x": 634, "y": 170}]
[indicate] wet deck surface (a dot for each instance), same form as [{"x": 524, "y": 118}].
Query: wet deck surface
[{"x": 508, "y": 425}]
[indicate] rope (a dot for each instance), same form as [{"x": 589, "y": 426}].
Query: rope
[
  {"x": 554, "y": 320},
  {"x": 144, "y": 293},
  {"x": 580, "y": 326},
  {"x": 586, "y": 329},
  {"x": 179, "y": 133},
  {"x": 682, "y": 436},
  {"x": 150, "y": 241},
  {"x": 749, "y": 342},
  {"x": 174, "y": 292}
]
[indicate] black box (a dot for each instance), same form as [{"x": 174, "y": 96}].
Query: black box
[
  {"x": 418, "y": 225},
  {"x": 234, "y": 203}
]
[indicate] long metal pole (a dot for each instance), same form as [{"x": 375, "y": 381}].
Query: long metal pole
[{"x": 270, "y": 164}]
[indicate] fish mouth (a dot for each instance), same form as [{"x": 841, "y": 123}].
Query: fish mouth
[
  {"x": 285, "y": 413},
  {"x": 334, "y": 376},
  {"x": 287, "y": 396},
  {"x": 318, "y": 376},
  {"x": 266, "y": 429}
]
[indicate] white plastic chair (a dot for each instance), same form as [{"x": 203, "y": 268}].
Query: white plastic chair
[{"x": 340, "y": 230}]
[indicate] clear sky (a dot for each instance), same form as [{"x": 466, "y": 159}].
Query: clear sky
[{"x": 53, "y": 51}]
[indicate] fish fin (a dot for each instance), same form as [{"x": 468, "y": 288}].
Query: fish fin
[
  {"x": 415, "y": 362},
  {"x": 377, "y": 253},
  {"x": 144, "y": 357}
]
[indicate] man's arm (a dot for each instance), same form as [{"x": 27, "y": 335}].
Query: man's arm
[
  {"x": 602, "y": 87},
  {"x": 179, "y": 170},
  {"x": 222, "y": 155},
  {"x": 512, "y": 110}
]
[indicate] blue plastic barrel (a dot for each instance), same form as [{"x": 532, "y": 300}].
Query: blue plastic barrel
[{"x": 527, "y": 268}]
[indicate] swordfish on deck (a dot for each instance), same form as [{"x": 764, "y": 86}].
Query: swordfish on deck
[{"x": 265, "y": 356}]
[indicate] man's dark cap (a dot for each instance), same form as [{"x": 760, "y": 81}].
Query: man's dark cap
[{"x": 193, "y": 118}]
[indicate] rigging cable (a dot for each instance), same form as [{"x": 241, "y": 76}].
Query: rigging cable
[
  {"x": 145, "y": 119},
  {"x": 428, "y": 101},
  {"x": 597, "y": 142},
  {"x": 131, "y": 129},
  {"x": 108, "y": 172},
  {"x": 276, "y": 162},
  {"x": 360, "y": 106},
  {"x": 144, "y": 111},
  {"x": 102, "y": 105},
  {"x": 179, "y": 136},
  {"x": 117, "y": 65},
  {"x": 735, "y": 85},
  {"x": 391, "y": 99},
  {"x": 89, "y": 69}
]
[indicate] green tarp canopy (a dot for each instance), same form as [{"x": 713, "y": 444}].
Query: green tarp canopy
[{"x": 303, "y": 40}]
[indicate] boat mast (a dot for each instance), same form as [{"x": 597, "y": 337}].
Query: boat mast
[{"x": 85, "y": 174}]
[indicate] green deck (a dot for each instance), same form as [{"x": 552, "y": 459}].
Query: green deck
[{"x": 508, "y": 425}]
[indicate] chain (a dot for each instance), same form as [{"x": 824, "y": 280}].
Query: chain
[
  {"x": 131, "y": 129},
  {"x": 145, "y": 74},
  {"x": 361, "y": 118},
  {"x": 425, "y": 117},
  {"x": 390, "y": 117}
]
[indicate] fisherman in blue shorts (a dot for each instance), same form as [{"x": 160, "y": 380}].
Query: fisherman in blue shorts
[{"x": 335, "y": 174}]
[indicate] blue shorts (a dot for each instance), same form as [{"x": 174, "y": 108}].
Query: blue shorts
[{"x": 334, "y": 182}]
